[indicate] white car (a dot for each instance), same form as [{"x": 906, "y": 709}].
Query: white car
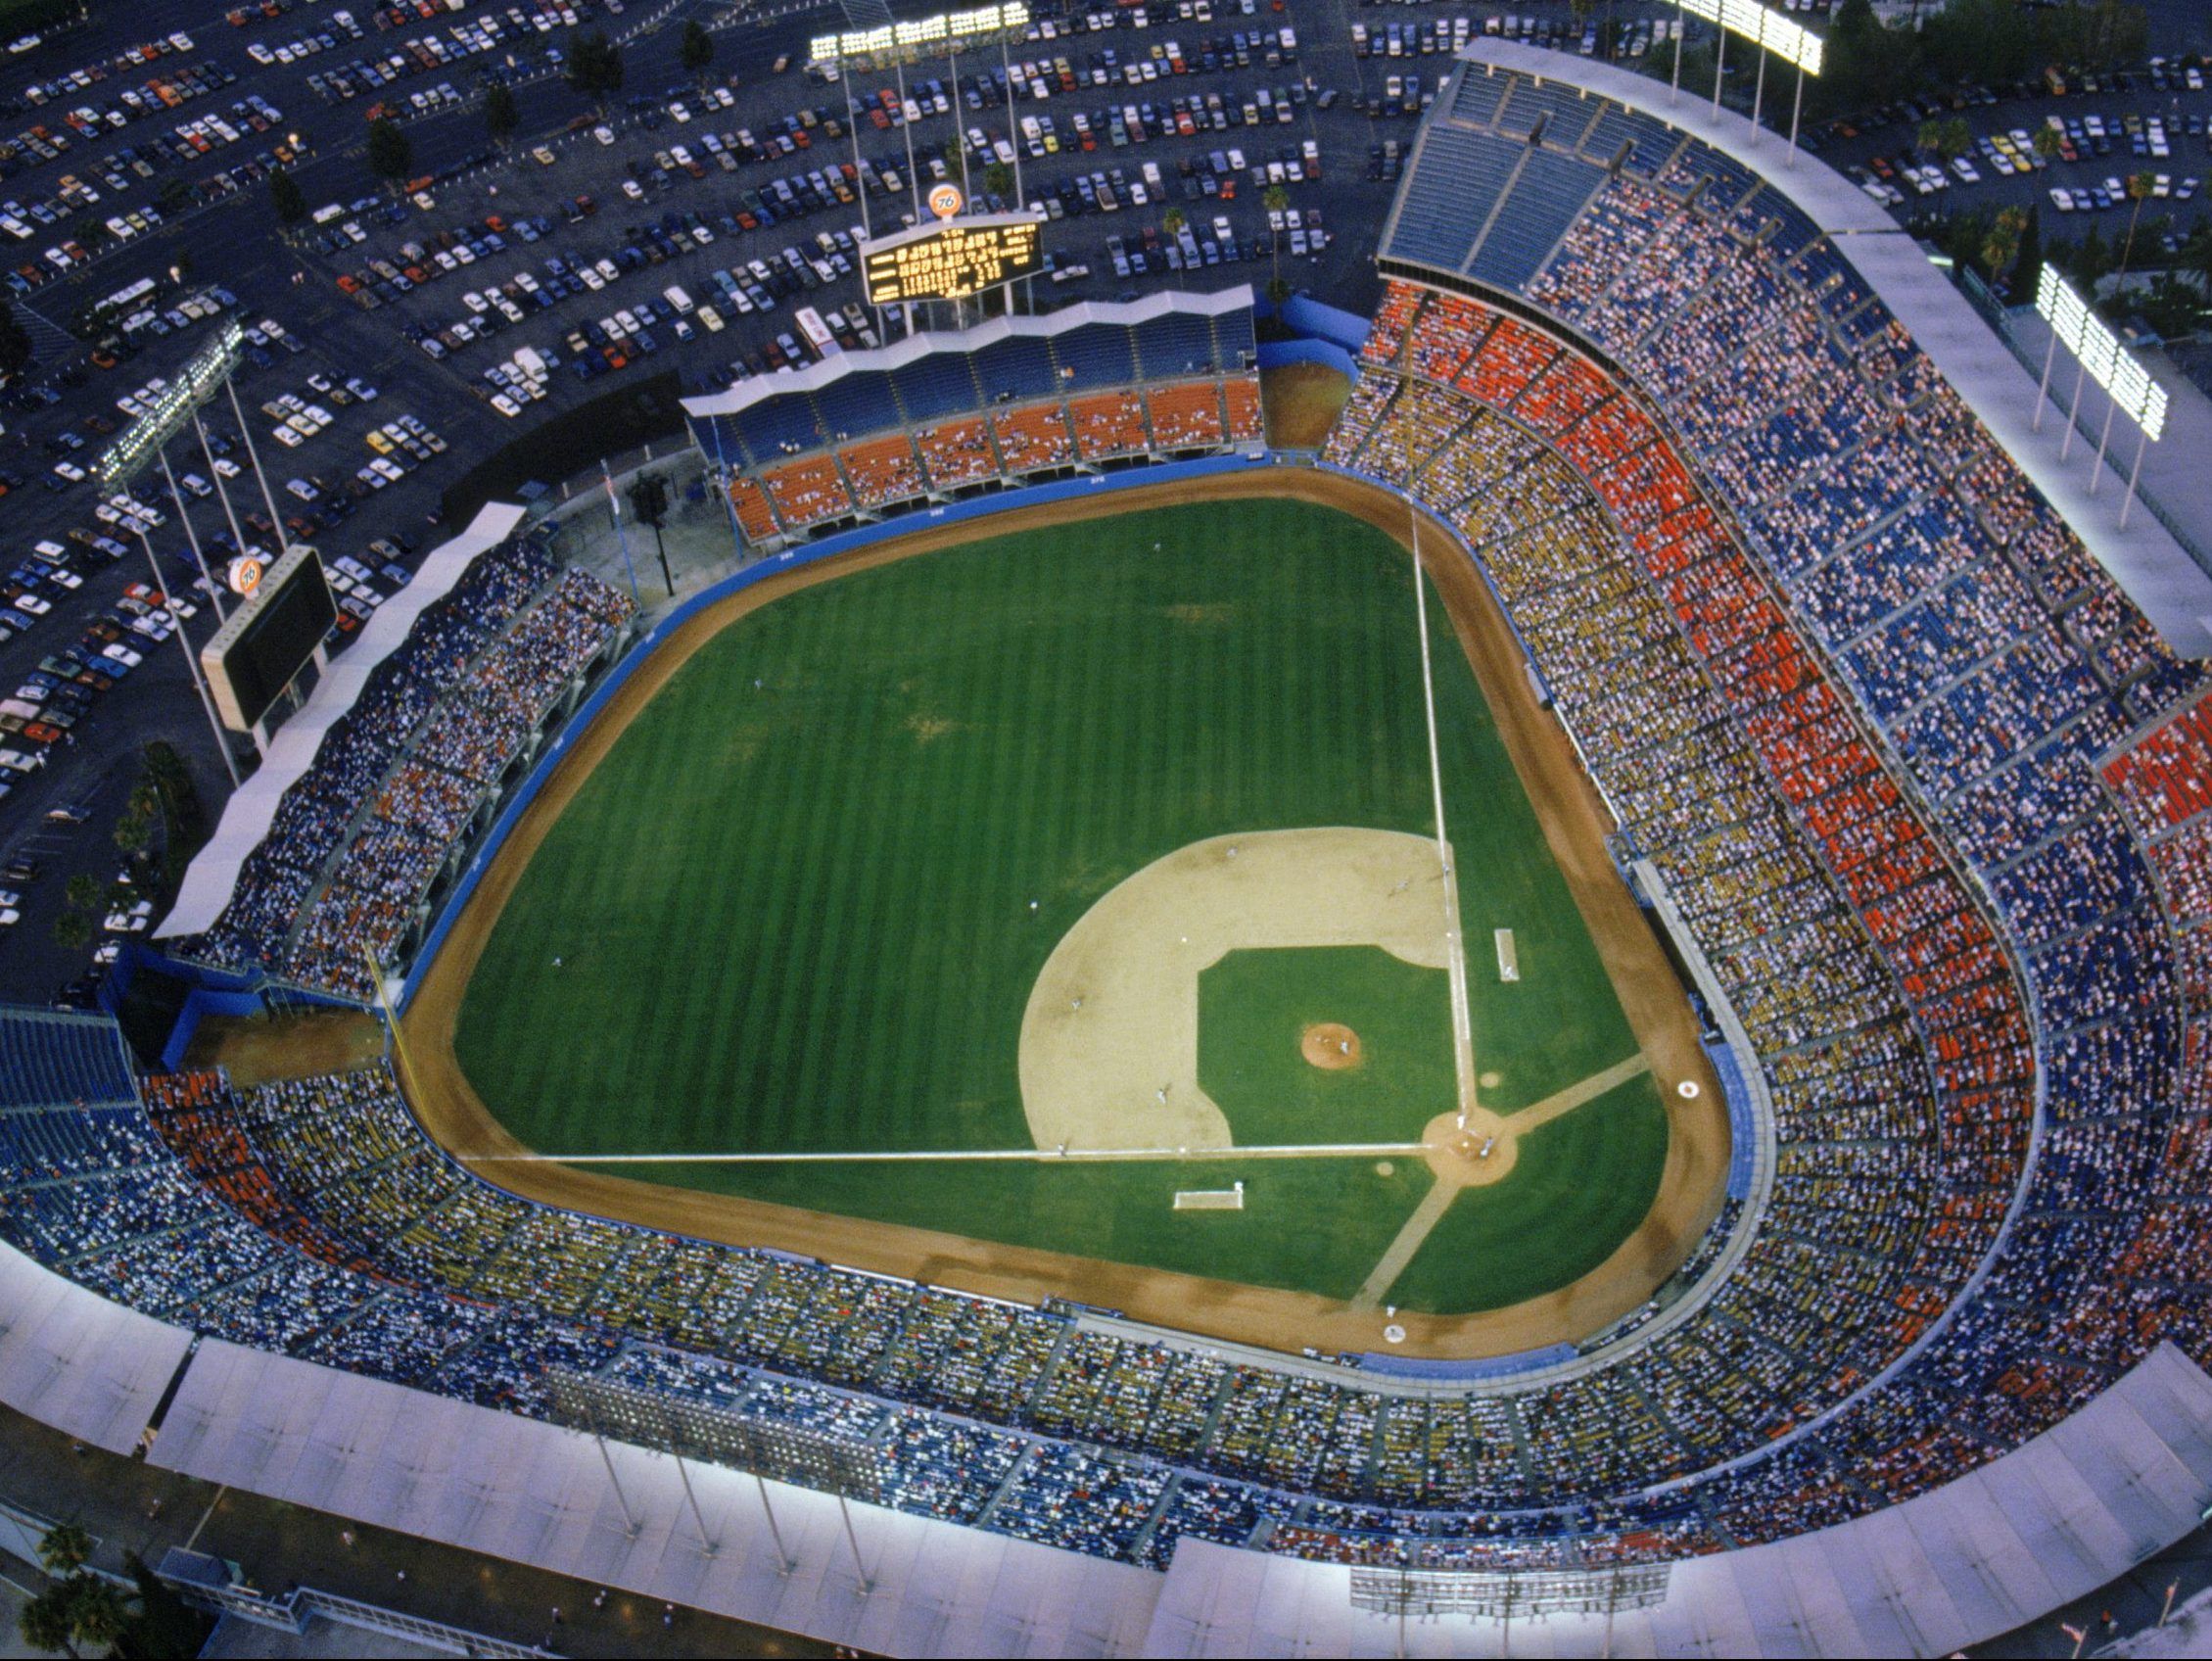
[
  {"x": 287, "y": 436},
  {"x": 31, "y": 604},
  {"x": 506, "y": 405},
  {"x": 121, "y": 654},
  {"x": 302, "y": 490}
]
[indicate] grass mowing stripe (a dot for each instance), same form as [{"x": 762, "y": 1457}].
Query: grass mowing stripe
[{"x": 798, "y": 916}]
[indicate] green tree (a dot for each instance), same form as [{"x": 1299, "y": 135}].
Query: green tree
[
  {"x": 287, "y": 198},
  {"x": 46, "y": 1622},
  {"x": 72, "y": 932},
  {"x": 998, "y": 179},
  {"x": 391, "y": 153},
  {"x": 134, "y": 831},
  {"x": 15, "y": 343},
  {"x": 1275, "y": 199},
  {"x": 2046, "y": 142},
  {"x": 1173, "y": 223},
  {"x": 595, "y": 65},
  {"x": 2139, "y": 189},
  {"x": 65, "y": 1547},
  {"x": 83, "y": 890},
  {"x": 648, "y": 499},
  {"x": 695, "y": 52},
  {"x": 501, "y": 115},
  {"x": 2092, "y": 260},
  {"x": 2027, "y": 261},
  {"x": 2003, "y": 243}
]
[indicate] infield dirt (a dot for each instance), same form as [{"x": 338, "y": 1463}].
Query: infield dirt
[{"x": 1575, "y": 826}]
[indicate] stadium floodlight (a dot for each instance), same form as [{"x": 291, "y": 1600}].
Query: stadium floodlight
[
  {"x": 172, "y": 408},
  {"x": 144, "y": 443},
  {"x": 945, "y": 32},
  {"x": 1766, "y": 28},
  {"x": 2100, "y": 358}
]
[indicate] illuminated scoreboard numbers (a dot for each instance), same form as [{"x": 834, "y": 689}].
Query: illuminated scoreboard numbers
[{"x": 952, "y": 263}]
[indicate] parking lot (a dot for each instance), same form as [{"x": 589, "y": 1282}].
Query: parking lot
[{"x": 704, "y": 222}]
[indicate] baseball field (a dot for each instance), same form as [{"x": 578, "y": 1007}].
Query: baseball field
[{"x": 1076, "y": 892}]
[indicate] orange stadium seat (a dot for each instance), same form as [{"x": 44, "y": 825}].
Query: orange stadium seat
[
  {"x": 808, "y": 491},
  {"x": 957, "y": 452},
  {"x": 882, "y": 470},
  {"x": 1108, "y": 424},
  {"x": 1034, "y": 436},
  {"x": 1188, "y": 413}
]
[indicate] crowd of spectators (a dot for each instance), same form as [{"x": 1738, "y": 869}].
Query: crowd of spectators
[
  {"x": 394, "y": 786},
  {"x": 1932, "y": 800},
  {"x": 884, "y": 472}
]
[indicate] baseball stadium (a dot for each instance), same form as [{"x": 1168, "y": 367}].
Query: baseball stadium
[{"x": 1253, "y": 974}]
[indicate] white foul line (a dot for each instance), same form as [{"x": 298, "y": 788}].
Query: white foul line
[
  {"x": 1455, "y": 949},
  {"x": 1043, "y": 1156}
]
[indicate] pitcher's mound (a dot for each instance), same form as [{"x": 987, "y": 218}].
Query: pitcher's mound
[{"x": 1329, "y": 1044}]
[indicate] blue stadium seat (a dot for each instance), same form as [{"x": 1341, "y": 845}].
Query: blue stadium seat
[
  {"x": 48, "y": 1059},
  {"x": 1457, "y": 178},
  {"x": 1175, "y": 346},
  {"x": 1548, "y": 196},
  {"x": 1095, "y": 355},
  {"x": 1018, "y": 367}
]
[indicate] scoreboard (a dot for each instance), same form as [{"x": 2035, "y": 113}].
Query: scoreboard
[
  {"x": 951, "y": 261},
  {"x": 269, "y": 639}
]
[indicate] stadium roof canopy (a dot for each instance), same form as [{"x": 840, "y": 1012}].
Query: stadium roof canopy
[
  {"x": 2052, "y": 1520},
  {"x": 812, "y": 377},
  {"x": 1445, "y": 226},
  {"x": 246, "y": 819}
]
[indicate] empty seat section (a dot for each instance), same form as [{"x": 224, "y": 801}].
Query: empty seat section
[
  {"x": 1457, "y": 178},
  {"x": 1650, "y": 142},
  {"x": 1564, "y": 113},
  {"x": 855, "y": 405},
  {"x": 775, "y": 427},
  {"x": 1176, "y": 345},
  {"x": 53, "y": 1060},
  {"x": 1548, "y": 196},
  {"x": 934, "y": 387},
  {"x": 1095, "y": 355},
  {"x": 1477, "y": 98},
  {"x": 1014, "y": 368}
]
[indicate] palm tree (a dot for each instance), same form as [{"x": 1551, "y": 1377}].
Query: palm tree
[
  {"x": 2046, "y": 142},
  {"x": 1276, "y": 199},
  {"x": 2140, "y": 188},
  {"x": 1173, "y": 223},
  {"x": 64, "y": 1549}
]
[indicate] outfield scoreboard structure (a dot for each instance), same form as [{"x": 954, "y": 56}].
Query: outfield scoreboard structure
[
  {"x": 269, "y": 639},
  {"x": 955, "y": 259}
]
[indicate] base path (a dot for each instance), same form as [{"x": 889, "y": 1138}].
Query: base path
[
  {"x": 1109, "y": 1040},
  {"x": 1575, "y": 826}
]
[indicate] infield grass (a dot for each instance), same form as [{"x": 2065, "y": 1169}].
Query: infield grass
[{"x": 791, "y": 908}]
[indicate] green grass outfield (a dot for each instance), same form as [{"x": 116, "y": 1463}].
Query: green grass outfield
[{"x": 791, "y": 904}]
